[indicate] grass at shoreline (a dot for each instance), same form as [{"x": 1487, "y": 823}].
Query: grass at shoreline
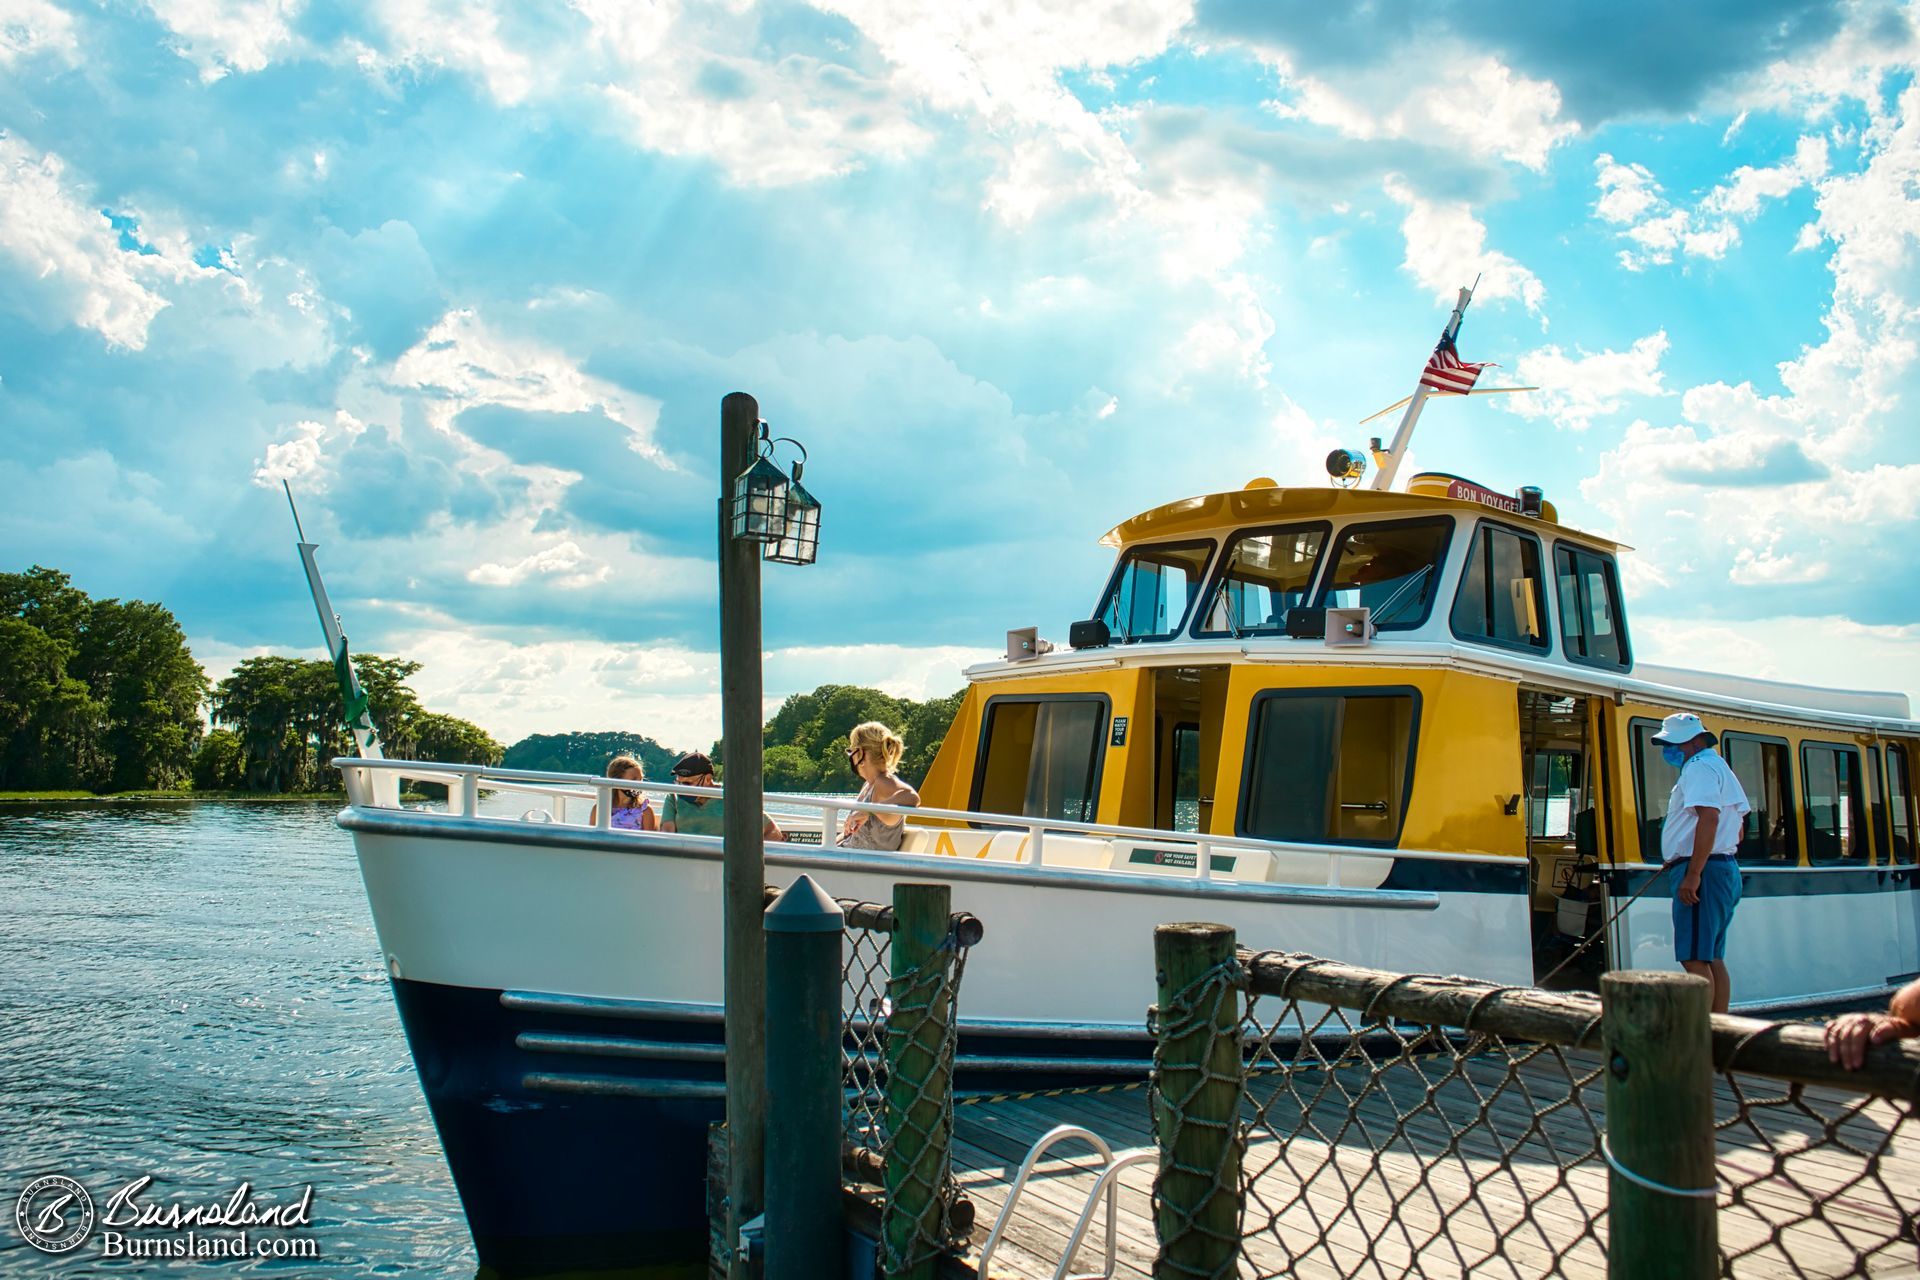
[{"x": 88, "y": 797}]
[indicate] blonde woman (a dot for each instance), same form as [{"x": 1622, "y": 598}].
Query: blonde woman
[
  {"x": 632, "y": 811},
  {"x": 873, "y": 752}
]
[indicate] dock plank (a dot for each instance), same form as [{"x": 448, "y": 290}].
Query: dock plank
[{"x": 1451, "y": 1169}]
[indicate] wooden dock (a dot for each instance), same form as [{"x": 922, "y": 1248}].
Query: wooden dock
[{"x": 1386, "y": 1197}]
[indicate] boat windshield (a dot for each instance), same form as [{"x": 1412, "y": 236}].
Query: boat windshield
[
  {"x": 1264, "y": 573},
  {"x": 1154, "y": 588},
  {"x": 1392, "y": 569}
]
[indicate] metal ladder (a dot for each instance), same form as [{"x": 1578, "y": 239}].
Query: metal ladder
[{"x": 1105, "y": 1186}]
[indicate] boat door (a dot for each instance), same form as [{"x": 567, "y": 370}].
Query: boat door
[
  {"x": 1189, "y": 706},
  {"x": 1562, "y": 794}
]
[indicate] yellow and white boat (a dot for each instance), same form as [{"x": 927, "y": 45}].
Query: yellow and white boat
[{"x": 1404, "y": 729}]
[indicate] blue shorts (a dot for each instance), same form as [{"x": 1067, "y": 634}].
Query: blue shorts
[{"x": 1700, "y": 930}]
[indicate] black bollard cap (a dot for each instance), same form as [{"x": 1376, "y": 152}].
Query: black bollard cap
[{"x": 804, "y": 907}]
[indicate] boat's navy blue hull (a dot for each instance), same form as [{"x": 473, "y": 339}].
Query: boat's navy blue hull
[
  {"x": 562, "y": 1167},
  {"x": 554, "y": 1182}
]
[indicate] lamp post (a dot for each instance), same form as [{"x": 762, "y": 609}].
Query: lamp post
[{"x": 763, "y": 511}]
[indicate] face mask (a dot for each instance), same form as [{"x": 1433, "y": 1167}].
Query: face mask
[{"x": 1673, "y": 756}]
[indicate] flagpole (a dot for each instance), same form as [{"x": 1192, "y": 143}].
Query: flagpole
[
  {"x": 359, "y": 721},
  {"x": 1388, "y": 461}
]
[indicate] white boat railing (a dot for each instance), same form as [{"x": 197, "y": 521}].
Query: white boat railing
[{"x": 464, "y": 782}]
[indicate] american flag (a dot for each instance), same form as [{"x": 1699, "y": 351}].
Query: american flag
[{"x": 1447, "y": 373}]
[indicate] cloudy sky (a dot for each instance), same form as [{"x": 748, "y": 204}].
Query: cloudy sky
[{"x": 475, "y": 275}]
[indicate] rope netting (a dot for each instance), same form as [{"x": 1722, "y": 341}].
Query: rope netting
[
  {"x": 1362, "y": 1138},
  {"x": 1379, "y": 1147},
  {"x": 901, "y": 1117},
  {"x": 1814, "y": 1182},
  {"x": 867, "y": 956}
]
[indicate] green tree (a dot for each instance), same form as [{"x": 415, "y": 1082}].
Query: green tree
[
  {"x": 589, "y": 753},
  {"x": 286, "y": 716},
  {"x": 50, "y": 725},
  {"x": 134, "y": 658},
  {"x": 216, "y": 765},
  {"x": 107, "y": 696},
  {"x": 451, "y": 740},
  {"x": 816, "y": 725},
  {"x": 283, "y": 711},
  {"x": 789, "y": 768}
]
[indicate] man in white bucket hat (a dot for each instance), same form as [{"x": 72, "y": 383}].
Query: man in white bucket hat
[{"x": 1705, "y": 814}]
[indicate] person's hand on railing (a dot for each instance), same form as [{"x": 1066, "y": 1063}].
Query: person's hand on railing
[{"x": 1850, "y": 1035}]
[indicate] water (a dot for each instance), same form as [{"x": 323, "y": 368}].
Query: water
[{"x": 193, "y": 991}]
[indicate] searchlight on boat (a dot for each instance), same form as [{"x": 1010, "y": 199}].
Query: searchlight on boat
[{"x": 1345, "y": 467}]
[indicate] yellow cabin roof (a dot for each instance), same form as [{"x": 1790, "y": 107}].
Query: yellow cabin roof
[{"x": 1267, "y": 504}]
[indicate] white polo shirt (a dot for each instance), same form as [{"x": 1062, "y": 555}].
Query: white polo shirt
[{"x": 1706, "y": 782}]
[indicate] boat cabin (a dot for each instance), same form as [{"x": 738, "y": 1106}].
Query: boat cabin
[{"x": 1447, "y": 669}]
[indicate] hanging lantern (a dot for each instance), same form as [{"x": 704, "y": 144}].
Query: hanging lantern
[
  {"x": 760, "y": 498},
  {"x": 801, "y": 542}
]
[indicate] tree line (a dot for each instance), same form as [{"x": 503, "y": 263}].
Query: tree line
[
  {"x": 805, "y": 741},
  {"x": 100, "y": 695},
  {"x": 807, "y": 738},
  {"x": 105, "y": 695},
  {"x": 279, "y": 724}
]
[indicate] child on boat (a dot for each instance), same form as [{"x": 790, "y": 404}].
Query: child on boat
[{"x": 631, "y": 809}]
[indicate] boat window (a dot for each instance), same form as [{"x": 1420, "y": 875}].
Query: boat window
[
  {"x": 1263, "y": 573},
  {"x": 1040, "y": 757},
  {"x": 1552, "y": 791},
  {"x": 1836, "y": 816},
  {"x": 1771, "y": 834},
  {"x": 1900, "y": 801},
  {"x": 1502, "y": 590},
  {"x": 1877, "y": 807},
  {"x": 1186, "y": 777},
  {"x": 1592, "y": 628},
  {"x": 1153, "y": 589},
  {"x": 1329, "y": 766},
  {"x": 1392, "y": 569},
  {"x": 1653, "y": 780}
]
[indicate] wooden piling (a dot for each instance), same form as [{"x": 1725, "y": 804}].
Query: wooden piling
[
  {"x": 919, "y": 1081},
  {"x": 1661, "y": 1221},
  {"x": 1198, "y": 1077},
  {"x": 745, "y": 857}
]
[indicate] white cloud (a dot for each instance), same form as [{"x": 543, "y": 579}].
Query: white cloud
[
  {"x": 70, "y": 256},
  {"x": 1576, "y": 389},
  {"x": 1747, "y": 188},
  {"x": 1817, "y": 486},
  {"x": 301, "y": 453},
  {"x": 1875, "y": 41},
  {"x": 564, "y": 563},
  {"x": 462, "y": 364},
  {"x": 29, "y": 27},
  {"x": 1826, "y": 651},
  {"x": 221, "y": 36},
  {"x": 1474, "y": 101},
  {"x": 674, "y": 79},
  {"x": 1626, "y": 190},
  {"x": 1447, "y": 248},
  {"x": 1631, "y": 200}
]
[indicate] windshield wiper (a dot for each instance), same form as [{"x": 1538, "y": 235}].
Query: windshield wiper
[
  {"x": 1385, "y": 611},
  {"x": 1233, "y": 628}
]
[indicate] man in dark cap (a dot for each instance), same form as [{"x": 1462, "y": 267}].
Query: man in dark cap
[{"x": 701, "y": 815}]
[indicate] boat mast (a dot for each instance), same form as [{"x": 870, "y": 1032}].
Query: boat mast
[
  {"x": 1388, "y": 460},
  {"x": 359, "y": 721}
]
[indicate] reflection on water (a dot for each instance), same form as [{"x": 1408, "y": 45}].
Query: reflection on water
[{"x": 193, "y": 991}]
